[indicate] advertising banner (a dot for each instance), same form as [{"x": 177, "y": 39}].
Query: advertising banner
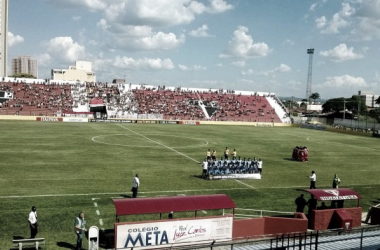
[
  {"x": 75, "y": 119},
  {"x": 158, "y": 234},
  {"x": 235, "y": 176},
  {"x": 49, "y": 119}
]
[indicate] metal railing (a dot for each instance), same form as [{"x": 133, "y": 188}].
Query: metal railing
[{"x": 358, "y": 238}]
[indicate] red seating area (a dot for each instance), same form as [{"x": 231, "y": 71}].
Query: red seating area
[
  {"x": 48, "y": 99},
  {"x": 180, "y": 105},
  {"x": 36, "y": 99},
  {"x": 172, "y": 104}
]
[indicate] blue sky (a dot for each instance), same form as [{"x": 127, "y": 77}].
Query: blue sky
[{"x": 255, "y": 45}]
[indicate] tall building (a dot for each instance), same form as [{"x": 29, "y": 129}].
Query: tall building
[
  {"x": 25, "y": 64},
  {"x": 3, "y": 37}
]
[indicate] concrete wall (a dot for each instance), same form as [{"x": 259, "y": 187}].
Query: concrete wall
[
  {"x": 323, "y": 219},
  {"x": 269, "y": 225}
]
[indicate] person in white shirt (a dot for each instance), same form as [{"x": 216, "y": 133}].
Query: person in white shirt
[
  {"x": 313, "y": 179},
  {"x": 204, "y": 167},
  {"x": 33, "y": 222},
  {"x": 260, "y": 166},
  {"x": 135, "y": 186}
]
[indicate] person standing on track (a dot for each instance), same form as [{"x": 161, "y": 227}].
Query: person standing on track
[
  {"x": 33, "y": 222},
  {"x": 135, "y": 186},
  {"x": 313, "y": 179},
  {"x": 80, "y": 229}
]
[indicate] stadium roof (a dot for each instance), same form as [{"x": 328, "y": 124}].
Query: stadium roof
[
  {"x": 174, "y": 203},
  {"x": 334, "y": 194}
]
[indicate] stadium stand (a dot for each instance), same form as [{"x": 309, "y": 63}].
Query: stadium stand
[{"x": 141, "y": 101}]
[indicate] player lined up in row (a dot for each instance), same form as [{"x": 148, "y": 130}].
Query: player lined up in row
[
  {"x": 236, "y": 166},
  {"x": 211, "y": 155}
]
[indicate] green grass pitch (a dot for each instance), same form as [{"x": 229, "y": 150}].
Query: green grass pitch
[{"x": 64, "y": 168}]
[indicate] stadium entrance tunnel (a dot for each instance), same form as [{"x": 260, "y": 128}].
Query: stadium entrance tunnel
[{"x": 334, "y": 216}]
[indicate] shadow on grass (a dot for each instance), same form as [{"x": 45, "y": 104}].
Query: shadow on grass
[
  {"x": 65, "y": 245},
  {"x": 289, "y": 159},
  {"x": 106, "y": 238},
  {"x": 18, "y": 237},
  {"x": 197, "y": 176},
  {"x": 126, "y": 196}
]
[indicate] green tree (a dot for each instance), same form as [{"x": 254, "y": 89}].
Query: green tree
[
  {"x": 341, "y": 103},
  {"x": 378, "y": 100},
  {"x": 335, "y": 104},
  {"x": 314, "y": 96},
  {"x": 23, "y": 75}
]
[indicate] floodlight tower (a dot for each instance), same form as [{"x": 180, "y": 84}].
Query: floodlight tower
[{"x": 309, "y": 73}]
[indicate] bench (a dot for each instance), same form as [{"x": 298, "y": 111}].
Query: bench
[{"x": 35, "y": 242}]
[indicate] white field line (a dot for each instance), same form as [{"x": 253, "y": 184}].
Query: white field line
[
  {"x": 151, "y": 192},
  {"x": 95, "y": 204},
  {"x": 116, "y": 193},
  {"x": 101, "y": 222},
  {"x": 245, "y": 184},
  {"x": 97, "y": 212},
  {"x": 163, "y": 145}
]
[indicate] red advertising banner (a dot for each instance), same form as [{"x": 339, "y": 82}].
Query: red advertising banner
[{"x": 49, "y": 119}]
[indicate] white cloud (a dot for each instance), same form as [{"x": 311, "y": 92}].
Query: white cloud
[
  {"x": 92, "y": 5},
  {"x": 14, "y": 39},
  {"x": 140, "y": 37},
  {"x": 64, "y": 49},
  {"x": 338, "y": 21},
  {"x": 200, "y": 32},
  {"x": 341, "y": 53},
  {"x": 143, "y": 64},
  {"x": 183, "y": 67},
  {"x": 242, "y": 46},
  {"x": 344, "y": 81},
  {"x": 44, "y": 59},
  {"x": 162, "y": 12},
  {"x": 218, "y": 6},
  {"x": 198, "y": 67},
  {"x": 321, "y": 22},
  {"x": 239, "y": 63},
  {"x": 76, "y": 18},
  {"x": 193, "y": 68},
  {"x": 283, "y": 68},
  {"x": 313, "y": 6},
  {"x": 288, "y": 42}
]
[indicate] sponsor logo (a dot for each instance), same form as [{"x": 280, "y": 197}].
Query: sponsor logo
[
  {"x": 264, "y": 125},
  {"x": 235, "y": 176},
  {"x": 111, "y": 121},
  {"x": 331, "y": 191},
  {"x": 147, "y": 239},
  {"x": 48, "y": 119},
  {"x": 343, "y": 197},
  {"x": 189, "y": 122}
]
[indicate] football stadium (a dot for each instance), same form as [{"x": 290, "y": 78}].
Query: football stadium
[
  {"x": 76, "y": 147},
  {"x": 137, "y": 124}
]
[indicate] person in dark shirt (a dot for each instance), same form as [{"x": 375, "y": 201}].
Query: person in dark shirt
[
  {"x": 323, "y": 206},
  {"x": 312, "y": 204},
  {"x": 301, "y": 203}
]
